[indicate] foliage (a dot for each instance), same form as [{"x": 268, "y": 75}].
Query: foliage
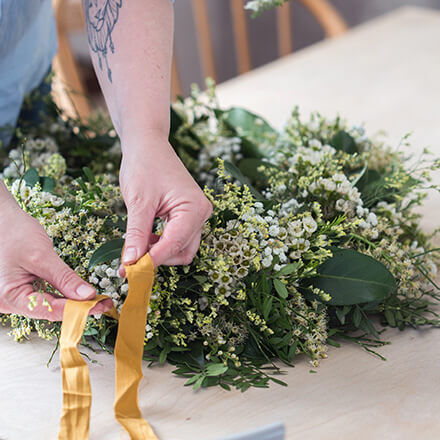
[{"x": 313, "y": 240}]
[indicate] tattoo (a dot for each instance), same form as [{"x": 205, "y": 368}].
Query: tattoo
[{"x": 101, "y": 17}]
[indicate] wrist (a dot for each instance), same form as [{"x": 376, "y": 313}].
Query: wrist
[{"x": 146, "y": 139}]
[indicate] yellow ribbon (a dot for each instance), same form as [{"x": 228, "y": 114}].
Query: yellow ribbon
[{"x": 77, "y": 396}]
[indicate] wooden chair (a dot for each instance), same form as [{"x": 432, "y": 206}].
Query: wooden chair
[
  {"x": 68, "y": 88},
  {"x": 323, "y": 11},
  {"x": 69, "y": 16}
]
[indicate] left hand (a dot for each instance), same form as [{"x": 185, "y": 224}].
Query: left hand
[{"x": 155, "y": 183}]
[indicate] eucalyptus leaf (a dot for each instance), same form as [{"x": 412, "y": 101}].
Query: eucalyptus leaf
[
  {"x": 249, "y": 168},
  {"x": 343, "y": 141},
  {"x": 353, "y": 278},
  {"x": 47, "y": 184},
  {"x": 251, "y": 128},
  {"x": 107, "y": 252},
  {"x": 31, "y": 177},
  {"x": 237, "y": 174}
]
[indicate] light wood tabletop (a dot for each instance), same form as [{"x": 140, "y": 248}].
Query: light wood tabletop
[{"x": 387, "y": 74}]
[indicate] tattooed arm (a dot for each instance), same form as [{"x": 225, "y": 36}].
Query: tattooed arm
[{"x": 131, "y": 43}]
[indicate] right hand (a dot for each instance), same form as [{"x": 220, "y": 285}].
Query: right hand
[{"x": 26, "y": 255}]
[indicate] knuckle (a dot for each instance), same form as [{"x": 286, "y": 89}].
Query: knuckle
[
  {"x": 135, "y": 233},
  {"x": 36, "y": 257},
  {"x": 66, "y": 277},
  {"x": 136, "y": 202},
  {"x": 177, "y": 246}
]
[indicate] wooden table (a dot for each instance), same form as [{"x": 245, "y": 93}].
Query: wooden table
[{"x": 386, "y": 73}]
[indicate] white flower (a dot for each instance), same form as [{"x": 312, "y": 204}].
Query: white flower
[
  {"x": 267, "y": 261},
  {"x": 110, "y": 272},
  {"x": 372, "y": 219},
  {"x": 105, "y": 283},
  {"x": 274, "y": 230},
  {"x": 296, "y": 228},
  {"x": 309, "y": 224}
]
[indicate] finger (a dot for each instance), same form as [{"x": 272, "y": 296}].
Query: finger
[
  {"x": 154, "y": 238},
  {"x": 24, "y": 301},
  {"x": 51, "y": 268},
  {"x": 139, "y": 230},
  {"x": 176, "y": 237},
  {"x": 186, "y": 256}
]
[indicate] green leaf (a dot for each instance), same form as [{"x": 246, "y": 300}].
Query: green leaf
[
  {"x": 249, "y": 167},
  {"x": 89, "y": 174},
  {"x": 252, "y": 129},
  {"x": 193, "y": 379},
  {"x": 341, "y": 316},
  {"x": 389, "y": 316},
  {"x": 82, "y": 185},
  {"x": 280, "y": 288},
  {"x": 201, "y": 278},
  {"x": 333, "y": 343},
  {"x": 31, "y": 177},
  {"x": 357, "y": 317},
  {"x": 47, "y": 184},
  {"x": 107, "y": 252},
  {"x": 353, "y": 278},
  {"x": 216, "y": 369},
  {"x": 342, "y": 141},
  {"x": 199, "y": 382},
  {"x": 237, "y": 174},
  {"x": 278, "y": 381},
  {"x": 267, "y": 306},
  {"x": 289, "y": 268},
  {"x": 90, "y": 332},
  {"x": 225, "y": 386},
  {"x": 163, "y": 355},
  {"x": 292, "y": 350},
  {"x": 368, "y": 327}
]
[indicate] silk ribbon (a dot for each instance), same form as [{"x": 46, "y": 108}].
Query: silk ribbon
[{"x": 77, "y": 395}]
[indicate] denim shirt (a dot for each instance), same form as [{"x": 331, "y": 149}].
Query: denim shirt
[{"x": 28, "y": 44}]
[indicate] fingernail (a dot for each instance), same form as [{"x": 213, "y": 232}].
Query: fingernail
[
  {"x": 85, "y": 291},
  {"x": 129, "y": 255}
]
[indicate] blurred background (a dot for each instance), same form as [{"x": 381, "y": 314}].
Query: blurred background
[{"x": 262, "y": 34}]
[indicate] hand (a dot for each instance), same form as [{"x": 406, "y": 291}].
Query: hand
[
  {"x": 155, "y": 183},
  {"x": 26, "y": 255}
]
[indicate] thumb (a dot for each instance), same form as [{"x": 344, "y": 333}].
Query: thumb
[
  {"x": 64, "y": 279},
  {"x": 139, "y": 231}
]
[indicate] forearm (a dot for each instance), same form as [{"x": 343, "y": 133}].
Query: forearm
[{"x": 135, "y": 74}]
